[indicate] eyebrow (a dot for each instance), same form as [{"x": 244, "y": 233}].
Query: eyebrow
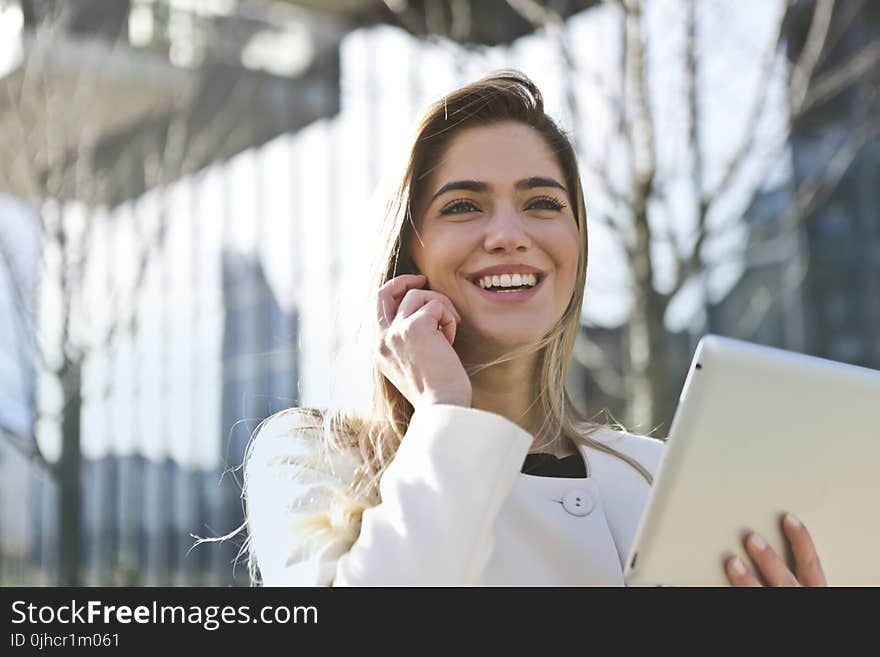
[{"x": 478, "y": 186}]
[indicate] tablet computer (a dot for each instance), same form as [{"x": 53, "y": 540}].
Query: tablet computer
[{"x": 757, "y": 432}]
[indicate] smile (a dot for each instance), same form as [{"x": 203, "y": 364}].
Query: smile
[
  {"x": 507, "y": 281},
  {"x": 507, "y": 291}
]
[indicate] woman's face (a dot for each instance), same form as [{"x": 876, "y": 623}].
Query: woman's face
[{"x": 497, "y": 205}]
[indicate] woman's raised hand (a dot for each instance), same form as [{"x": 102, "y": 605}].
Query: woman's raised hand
[
  {"x": 807, "y": 568},
  {"x": 416, "y": 331}
]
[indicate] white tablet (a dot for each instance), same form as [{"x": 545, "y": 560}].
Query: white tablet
[{"x": 759, "y": 431}]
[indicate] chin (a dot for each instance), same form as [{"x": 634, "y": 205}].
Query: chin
[{"x": 505, "y": 340}]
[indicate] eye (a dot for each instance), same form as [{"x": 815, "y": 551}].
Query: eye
[
  {"x": 460, "y": 203},
  {"x": 550, "y": 203}
]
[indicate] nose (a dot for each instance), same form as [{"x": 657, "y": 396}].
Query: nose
[{"x": 506, "y": 231}]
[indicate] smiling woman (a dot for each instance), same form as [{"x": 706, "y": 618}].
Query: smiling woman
[
  {"x": 473, "y": 466},
  {"x": 505, "y": 213}
]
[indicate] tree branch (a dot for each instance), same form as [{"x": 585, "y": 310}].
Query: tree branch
[
  {"x": 641, "y": 125},
  {"x": 813, "y": 193},
  {"x": 173, "y": 160},
  {"x": 802, "y": 71},
  {"x": 30, "y": 449},
  {"x": 621, "y": 232},
  {"x": 686, "y": 266},
  {"x": 804, "y": 94},
  {"x": 833, "y": 82},
  {"x": 810, "y": 194},
  {"x": 542, "y": 17},
  {"x": 755, "y": 112}
]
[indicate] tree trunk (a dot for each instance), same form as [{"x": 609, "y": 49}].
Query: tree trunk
[
  {"x": 69, "y": 477},
  {"x": 647, "y": 350},
  {"x": 647, "y": 355}
]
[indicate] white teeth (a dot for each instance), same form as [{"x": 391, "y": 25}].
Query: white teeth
[{"x": 508, "y": 280}]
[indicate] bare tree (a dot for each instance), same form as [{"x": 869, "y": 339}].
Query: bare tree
[
  {"x": 641, "y": 218},
  {"x": 53, "y": 156}
]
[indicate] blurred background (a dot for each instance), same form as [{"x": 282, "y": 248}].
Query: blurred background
[{"x": 189, "y": 190}]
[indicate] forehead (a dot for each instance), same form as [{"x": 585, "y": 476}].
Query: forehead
[{"x": 499, "y": 154}]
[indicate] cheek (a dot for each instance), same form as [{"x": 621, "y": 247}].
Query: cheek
[
  {"x": 442, "y": 267},
  {"x": 567, "y": 256},
  {"x": 445, "y": 252},
  {"x": 566, "y": 251}
]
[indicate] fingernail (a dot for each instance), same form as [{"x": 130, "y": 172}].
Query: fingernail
[
  {"x": 738, "y": 566},
  {"x": 757, "y": 542},
  {"x": 792, "y": 520}
]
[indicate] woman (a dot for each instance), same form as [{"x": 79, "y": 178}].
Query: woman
[{"x": 473, "y": 467}]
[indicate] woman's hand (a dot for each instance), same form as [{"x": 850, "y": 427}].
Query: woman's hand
[
  {"x": 416, "y": 331},
  {"x": 807, "y": 568}
]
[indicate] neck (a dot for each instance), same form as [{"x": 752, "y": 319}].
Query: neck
[{"x": 510, "y": 389}]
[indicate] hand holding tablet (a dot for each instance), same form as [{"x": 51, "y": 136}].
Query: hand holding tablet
[
  {"x": 759, "y": 432},
  {"x": 773, "y": 569}
]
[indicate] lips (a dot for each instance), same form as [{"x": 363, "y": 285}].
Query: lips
[
  {"x": 497, "y": 270},
  {"x": 509, "y": 296}
]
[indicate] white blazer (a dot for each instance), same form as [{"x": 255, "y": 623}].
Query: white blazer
[{"x": 455, "y": 509}]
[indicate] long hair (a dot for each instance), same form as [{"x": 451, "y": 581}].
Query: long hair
[{"x": 375, "y": 436}]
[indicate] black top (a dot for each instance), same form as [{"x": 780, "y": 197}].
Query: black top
[{"x": 548, "y": 465}]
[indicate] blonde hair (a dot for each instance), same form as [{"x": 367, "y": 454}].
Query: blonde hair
[{"x": 376, "y": 435}]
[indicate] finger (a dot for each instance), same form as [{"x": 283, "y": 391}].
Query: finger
[
  {"x": 739, "y": 574},
  {"x": 436, "y": 314},
  {"x": 415, "y": 299},
  {"x": 807, "y": 565},
  {"x": 448, "y": 330},
  {"x": 390, "y": 294},
  {"x": 772, "y": 567}
]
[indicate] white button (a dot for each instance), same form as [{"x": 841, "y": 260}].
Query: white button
[{"x": 578, "y": 502}]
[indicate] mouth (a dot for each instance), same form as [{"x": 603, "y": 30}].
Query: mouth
[{"x": 510, "y": 293}]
